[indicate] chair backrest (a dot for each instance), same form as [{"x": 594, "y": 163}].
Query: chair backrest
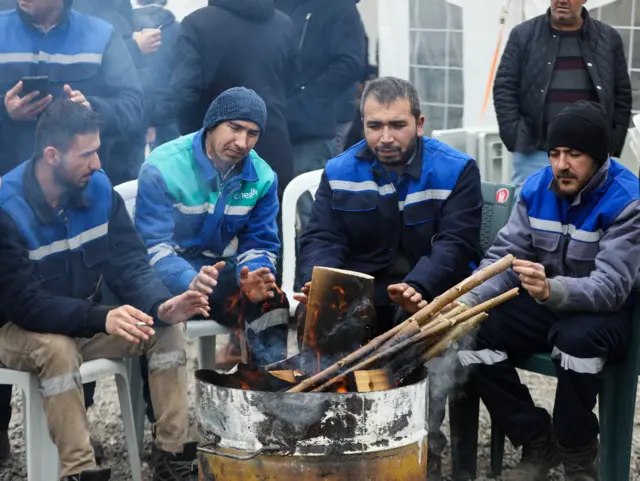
[
  {"x": 498, "y": 203},
  {"x": 128, "y": 191},
  {"x": 308, "y": 182}
]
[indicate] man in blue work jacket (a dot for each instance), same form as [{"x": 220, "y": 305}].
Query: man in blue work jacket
[
  {"x": 399, "y": 206},
  {"x": 64, "y": 233},
  {"x": 576, "y": 235}
]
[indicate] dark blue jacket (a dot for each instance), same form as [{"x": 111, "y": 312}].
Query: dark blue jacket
[
  {"x": 81, "y": 51},
  {"x": 362, "y": 220},
  {"x": 157, "y": 68},
  {"x": 52, "y": 263},
  {"x": 332, "y": 56}
]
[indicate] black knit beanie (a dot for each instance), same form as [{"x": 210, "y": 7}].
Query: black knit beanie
[
  {"x": 581, "y": 126},
  {"x": 237, "y": 103}
]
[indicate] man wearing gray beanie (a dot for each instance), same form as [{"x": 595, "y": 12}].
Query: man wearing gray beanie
[
  {"x": 206, "y": 210},
  {"x": 576, "y": 235}
]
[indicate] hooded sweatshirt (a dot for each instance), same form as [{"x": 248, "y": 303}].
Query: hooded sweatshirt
[{"x": 234, "y": 43}]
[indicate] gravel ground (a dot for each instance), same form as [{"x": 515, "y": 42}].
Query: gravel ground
[{"x": 107, "y": 427}]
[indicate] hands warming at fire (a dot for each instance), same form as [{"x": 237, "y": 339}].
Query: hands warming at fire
[
  {"x": 303, "y": 297},
  {"x": 257, "y": 285},
  {"x": 183, "y": 307},
  {"x": 406, "y": 297},
  {"x": 533, "y": 278},
  {"x": 207, "y": 278}
]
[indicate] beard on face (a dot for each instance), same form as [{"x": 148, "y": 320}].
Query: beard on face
[
  {"x": 404, "y": 156},
  {"x": 64, "y": 180}
]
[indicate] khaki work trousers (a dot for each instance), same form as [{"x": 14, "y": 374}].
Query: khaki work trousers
[{"x": 56, "y": 360}]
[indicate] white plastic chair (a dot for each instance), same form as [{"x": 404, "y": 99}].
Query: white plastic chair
[
  {"x": 204, "y": 331},
  {"x": 43, "y": 463},
  {"x": 308, "y": 182}
]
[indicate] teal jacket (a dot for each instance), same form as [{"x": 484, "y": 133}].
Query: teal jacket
[{"x": 189, "y": 216}]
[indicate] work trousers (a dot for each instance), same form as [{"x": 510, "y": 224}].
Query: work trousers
[
  {"x": 56, "y": 360},
  {"x": 580, "y": 343}
]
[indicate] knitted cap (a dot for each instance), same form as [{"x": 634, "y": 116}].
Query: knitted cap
[
  {"x": 237, "y": 103},
  {"x": 582, "y": 126}
]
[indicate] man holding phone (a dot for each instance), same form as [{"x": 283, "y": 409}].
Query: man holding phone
[{"x": 81, "y": 59}]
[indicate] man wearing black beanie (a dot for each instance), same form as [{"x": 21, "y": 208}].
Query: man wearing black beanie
[{"x": 576, "y": 235}]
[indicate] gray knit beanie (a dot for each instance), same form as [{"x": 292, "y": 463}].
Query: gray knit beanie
[{"x": 237, "y": 103}]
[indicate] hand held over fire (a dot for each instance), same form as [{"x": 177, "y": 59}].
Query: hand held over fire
[
  {"x": 406, "y": 297},
  {"x": 183, "y": 307},
  {"x": 533, "y": 278},
  {"x": 257, "y": 285},
  {"x": 207, "y": 278}
]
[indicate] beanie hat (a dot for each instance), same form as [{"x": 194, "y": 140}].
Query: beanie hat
[
  {"x": 237, "y": 103},
  {"x": 582, "y": 126}
]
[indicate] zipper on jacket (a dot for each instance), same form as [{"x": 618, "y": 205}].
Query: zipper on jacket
[{"x": 304, "y": 30}]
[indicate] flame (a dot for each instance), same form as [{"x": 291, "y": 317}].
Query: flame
[
  {"x": 245, "y": 386},
  {"x": 342, "y": 386}
]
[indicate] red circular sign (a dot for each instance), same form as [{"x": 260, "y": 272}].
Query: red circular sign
[{"x": 502, "y": 195}]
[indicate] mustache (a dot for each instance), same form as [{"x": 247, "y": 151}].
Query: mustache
[{"x": 565, "y": 175}]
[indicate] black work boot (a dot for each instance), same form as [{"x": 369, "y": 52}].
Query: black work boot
[
  {"x": 434, "y": 468},
  {"x": 5, "y": 446},
  {"x": 175, "y": 466},
  {"x": 580, "y": 463},
  {"x": 538, "y": 457},
  {"x": 100, "y": 474}
]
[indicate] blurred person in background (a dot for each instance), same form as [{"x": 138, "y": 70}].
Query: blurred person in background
[
  {"x": 232, "y": 43},
  {"x": 85, "y": 61},
  {"x": 155, "y": 77},
  {"x": 549, "y": 62},
  {"x": 330, "y": 38},
  {"x": 127, "y": 151}
]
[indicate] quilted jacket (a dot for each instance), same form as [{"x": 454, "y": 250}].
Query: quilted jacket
[{"x": 525, "y": 71}]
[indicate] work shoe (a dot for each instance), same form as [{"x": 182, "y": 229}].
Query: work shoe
[
  {"x": 100, "y": 474},
  {"x": 538, "y": 457},
  {"x": 580, "y": 463},
  {"x": 98, "y": 451},
  {"x": 434, "y": 468},
  {"x": 175, "y": 467},
  {"x": 5, "y": 446}
]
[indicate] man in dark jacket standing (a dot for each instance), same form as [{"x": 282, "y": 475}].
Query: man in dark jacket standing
[
  {"x": 233, "y": 43},
  {"x": 330, "y": 37},
  {"x": 551, "y": 61},
  {"x": 155, "y": 76}
]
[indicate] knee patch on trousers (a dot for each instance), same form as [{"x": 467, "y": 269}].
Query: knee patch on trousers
[
  {"x": 60, "y": 384},
  {"x": 163, "y": 361},
  {"x": 581, "y": 365}
]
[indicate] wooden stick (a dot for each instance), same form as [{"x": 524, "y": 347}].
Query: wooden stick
[
  {"x": 453, "y": 335},
  {"x": 425, "y": 314},
  {"x": 422, "y": 317},
  {"x": 409, "y": 330},
  {"x": 455, "y": 311},
  {"x": 471, "y": 312}
]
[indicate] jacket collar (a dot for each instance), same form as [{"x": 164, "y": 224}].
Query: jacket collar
[
  {"x": 35, "y": 196},
  {"x": 585, "y": 30},
  {"x": 412, "y": 169},
  {"x": 595, "y": 184},
  {"x": 246, "y": 170}
]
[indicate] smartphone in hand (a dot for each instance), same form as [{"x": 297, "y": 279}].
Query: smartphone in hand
[{"x": 31, "y": 84}]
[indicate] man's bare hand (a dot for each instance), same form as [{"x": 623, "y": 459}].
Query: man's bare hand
[
  {"x": 183, "y": 307},
  {"x": 76, "y": 96},
  {"x": 406, "y": 297},
  {"x": 148, "y": 40},
  {"x": 257, "y": 285},
  {"x": 533, "y": 278},
  {"x": 130, "y": 324},
  {"x": 303, "y": 297},
  {"x": 24, "y": 108},
  {"x": 207, "y": 278}
]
